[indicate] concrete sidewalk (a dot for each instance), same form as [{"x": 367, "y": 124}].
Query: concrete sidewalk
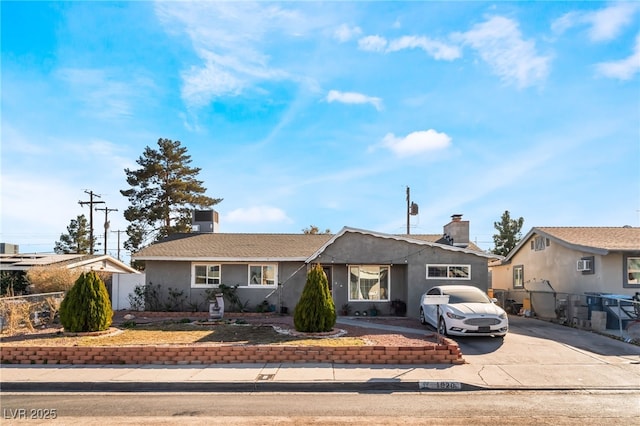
[{"x": 316, "y": 377}]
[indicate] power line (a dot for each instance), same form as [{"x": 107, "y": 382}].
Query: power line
[
  {"x": 412, "y": 208},
  {"x": 106, "y": 211},
  {"x": 119, "y": 232},
  {"x": 91, "y": 203}
]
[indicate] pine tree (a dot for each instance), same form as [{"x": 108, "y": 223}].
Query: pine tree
[
  {"x": 163, "y": 194},
  {"x": 315, "y": 311},
  {"x": 508, "y": 234},
  {"x": 314, "y": 230},
  {"x": 86, "y": 306},
  {"x": 77, "y": 239}
]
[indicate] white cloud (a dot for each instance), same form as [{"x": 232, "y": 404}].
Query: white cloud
[
  {"x": 353, "y": 98},
  {"x": 345, "y": 33},
  {"x": 257, "y": 214},
  {"x": 623, "y": 69},
  {"x": 36, "y": 209},
  {"x": 565, "y": 22},
  {"x": 604, "y": 24},
  {"x": 416, "y": 142},
  {"x": 108, "y": 158},
  {"x": 229, "y": 39},
  {"x": 38, "y": 206},
  {"x": 201, "y": 84},
  {"x": 500, "y": 44},
  {"x": 372, "y": 43},
  {"x": 190, "y": 121},
  {"x": 436, "y": 49},
  {"x": 103, "y": 95},
  {"x": 13, "y": 140},
  {"x": 608, "y": 23}
]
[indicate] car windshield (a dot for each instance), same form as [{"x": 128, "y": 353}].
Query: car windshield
[{"x": 464, "y": 295}]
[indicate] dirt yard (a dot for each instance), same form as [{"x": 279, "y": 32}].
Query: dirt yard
[{"x": 251, "y": 329}]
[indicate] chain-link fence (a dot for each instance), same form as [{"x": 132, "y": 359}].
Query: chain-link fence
[{"x": 607, "y": 313}]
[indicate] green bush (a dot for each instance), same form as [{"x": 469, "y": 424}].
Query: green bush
[
  {"x": 86, "y": 307},
  {"x": 315, "y": 311}
]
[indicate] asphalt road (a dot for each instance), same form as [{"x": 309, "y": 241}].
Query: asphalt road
[{"x": 464, "y": 408}]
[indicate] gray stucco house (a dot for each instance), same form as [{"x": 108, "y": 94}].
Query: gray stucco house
[
  {"x": 554, "y": 266},
  {"x": 364, "y": 268}
]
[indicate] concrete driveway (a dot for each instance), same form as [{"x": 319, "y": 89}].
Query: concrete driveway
[
  {"x": 540, "y": 354},
  {"x": 533, "y": 341}
]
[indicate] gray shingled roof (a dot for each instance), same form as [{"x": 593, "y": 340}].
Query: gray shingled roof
[
  {"x": 598, "y": 240},
  {"x": 25, "y": 261},
  {"x": 243, "y": 247},
  {"x": 234, "y": 247},
  {"x": 608, "y": 238}
]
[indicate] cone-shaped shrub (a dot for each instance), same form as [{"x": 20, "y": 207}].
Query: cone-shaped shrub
[
  {"x": 86, "y": 307},
  {"x": 315, "y": 311}
]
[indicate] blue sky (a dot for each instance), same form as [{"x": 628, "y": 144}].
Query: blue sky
[{"x": 323, "y": 114}]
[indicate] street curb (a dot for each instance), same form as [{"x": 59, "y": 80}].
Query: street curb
[
  {"x": 320, "y": 387},
  {"x": 332, "y": 386}
]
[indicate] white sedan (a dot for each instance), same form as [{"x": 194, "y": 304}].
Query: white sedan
[{"x": 468, "y": 312}]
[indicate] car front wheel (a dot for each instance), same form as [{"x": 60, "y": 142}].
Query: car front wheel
[
  {"x": 442, "y": 327},
  {"x": 423, "y": 320}
]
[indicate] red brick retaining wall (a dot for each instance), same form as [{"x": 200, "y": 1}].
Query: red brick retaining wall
[
  {"x": 447, "y": 352},
  {"x": 226, "y": 354}
]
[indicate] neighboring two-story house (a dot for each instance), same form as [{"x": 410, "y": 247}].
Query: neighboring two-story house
[{"x": 552, "y": 266}]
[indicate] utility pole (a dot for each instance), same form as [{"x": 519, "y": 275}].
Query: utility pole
[
  {"x": 106, "y": 211},
  {"x": 118, "y": 232},
  {"x": 412, "y": 208},
  {"x": 91, "y": 203}
]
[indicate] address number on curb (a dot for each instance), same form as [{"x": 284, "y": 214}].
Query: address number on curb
[{"x": 439, "y": 385}]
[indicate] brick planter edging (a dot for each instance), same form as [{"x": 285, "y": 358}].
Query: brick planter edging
[
  {"x": 199, "y": 315},
  {"x": 445, "y": 353}
]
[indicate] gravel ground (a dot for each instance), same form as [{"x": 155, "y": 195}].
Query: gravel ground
[
  {"x": 375, "y": 336},
  {"x": 371, "y": 335}
]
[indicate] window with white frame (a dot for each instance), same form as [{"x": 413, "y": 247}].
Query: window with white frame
[
  {"x": 586, "y": 265},
  {"x": 518, "y": 276},
  {"x": 368, "y": 282},
  {"x": 540, "y": 243},
  {"x": 454, "y": 272},
  {"x": 206, "y": 275},
  {"x": 262, "y": 275},
  {"x": 633, "y": 270}
]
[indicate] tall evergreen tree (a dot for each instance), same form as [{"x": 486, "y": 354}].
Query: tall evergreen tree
[
  {"x": 508, "y": 234},
  {"x": 86, "y": 306},
  {"x": 315, "y": 311},
  {"x": 164, "y": 192},
  {"x": 77, "y": 239}
]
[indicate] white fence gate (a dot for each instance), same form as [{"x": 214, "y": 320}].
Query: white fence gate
[{"x": 121, "y": 286}]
